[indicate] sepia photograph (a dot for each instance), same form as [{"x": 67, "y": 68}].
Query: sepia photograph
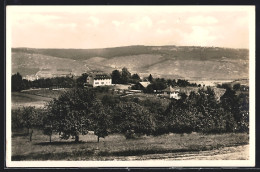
[{"x": 130, "y": 86}]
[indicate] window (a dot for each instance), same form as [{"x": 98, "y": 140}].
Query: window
[
  {"x": 102, "y": 82},
  {"x": 96, "y": 83}
]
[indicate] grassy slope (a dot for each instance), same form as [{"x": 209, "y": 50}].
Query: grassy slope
[
  {"x": 30, "y": 64},
  {"x": 116, "y": 145}
]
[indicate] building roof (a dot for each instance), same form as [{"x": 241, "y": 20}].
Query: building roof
[
  {"x": 145, "y": 84},
  {"x": 100, "y": 76}
]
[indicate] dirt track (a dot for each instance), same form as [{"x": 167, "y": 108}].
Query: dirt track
[{"x": 226, "y": 153}]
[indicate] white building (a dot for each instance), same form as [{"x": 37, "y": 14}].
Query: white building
[
  {"x": 172, "y": 93},
  {"x": 98, "y": 79}
]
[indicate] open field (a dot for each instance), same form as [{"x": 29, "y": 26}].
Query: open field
[
  {"x": 116, "y": 147},
  {"x": 34, "y": 97},
  {"x": 24, "y": 99},
  {"x": 45, "y": 92}
]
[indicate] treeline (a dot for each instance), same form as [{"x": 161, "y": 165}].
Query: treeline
[
  {"x": 118, "y": 77},
  {"x": 236, "y": 87},
  {"x": 19, "y": 84},
  {"x": 161, "y": 84},
  {"x": 78, "y": 111}
]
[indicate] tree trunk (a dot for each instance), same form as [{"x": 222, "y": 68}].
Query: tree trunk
[
  {"x": 98, "y": 139},
  {"x": 76, "y": 138},
  {"x": 31, "y": 135}
]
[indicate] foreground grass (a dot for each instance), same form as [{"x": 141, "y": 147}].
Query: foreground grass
[{"x": 116, "y": 145}]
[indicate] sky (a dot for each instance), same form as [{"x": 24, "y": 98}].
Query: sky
[{"x": 113, "y": 26}]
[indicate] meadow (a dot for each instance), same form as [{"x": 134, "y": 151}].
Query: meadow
[
  {"x": 34, "y": 97},
  {"x": 116, "y": 147}
]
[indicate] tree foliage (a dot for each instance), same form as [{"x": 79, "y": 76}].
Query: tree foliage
[
  {"x": 17, "y": 82},
  {"x": 71, "y": 112},
  {"x": 116, "y": 77},
  {"x": 130, "y": 118},
  {"x": 100, "y": 119},
  {"x": 81, "y": 80}
]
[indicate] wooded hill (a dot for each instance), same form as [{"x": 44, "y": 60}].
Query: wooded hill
[{"x": 188, "y": 62}]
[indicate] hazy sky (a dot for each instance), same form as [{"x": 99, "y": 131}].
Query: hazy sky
[{"x": 111, "y": 26}]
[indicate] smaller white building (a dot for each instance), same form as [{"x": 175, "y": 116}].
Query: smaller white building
[
  {"x": 98, "y": 79},
  {"x": 172, "y": 93}
]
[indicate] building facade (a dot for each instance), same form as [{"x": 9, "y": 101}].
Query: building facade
[
  {"x": 98, "y": 79},
  {"x": 171, "y": 93}
]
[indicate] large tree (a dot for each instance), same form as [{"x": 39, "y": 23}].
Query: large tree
[
  {"x": 81, "y": 80},
  {"x": 72, "y": 112},
  {"x": 230, "y": 102},
  {"x": 150, "y": 78},
  {"x": 17, "y": 82},
  {"x": 130, "y": 118},
  {"x": 116, "y": 77},
  {"x": 100, "y": 119},
  {"x": 126, "y": 75}
]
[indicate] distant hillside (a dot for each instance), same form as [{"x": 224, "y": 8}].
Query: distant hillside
[{"x": 168, "y": 61}]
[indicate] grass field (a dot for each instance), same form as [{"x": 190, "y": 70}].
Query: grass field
[
  {"x": 116, "y": 147},
  {"x": 36, "y": 97},
  {"x": 21, "y": 99}
]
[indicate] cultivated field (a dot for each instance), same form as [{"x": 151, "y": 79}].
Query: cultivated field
[{"x": 115, "y": 147}]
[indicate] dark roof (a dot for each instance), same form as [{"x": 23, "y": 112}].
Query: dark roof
[{"x": 101, "y": 76}]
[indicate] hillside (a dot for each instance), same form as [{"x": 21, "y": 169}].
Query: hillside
[{"x": 165, "y": 61}]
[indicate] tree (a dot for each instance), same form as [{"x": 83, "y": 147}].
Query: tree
[
  {"x": 237, "y": 86},
  {"x": 180, "y": 118},
  {"x": 116, "y": 77},
  {"x": 130, "y": 118},
  {"x": 100, "y": 120},
  {"x": 150, "y": 78},
  {"x": 243, "y": 123},
  {"x": 29, "y": 119},
  {"x": 182, "y": 83},
  {"x": 81, "y": 80},
  {"x": 169, "y": 82},
  {"x": 16, "y": 119},
  {"x": 49, "y": 123},
  {"x": 71, "y": 112},
  {"x": 126, "y": 75},
  {"x": 17, "y": 82},
  {"x": 136, "y": 76},
  {"x": 230, "y": 102}
]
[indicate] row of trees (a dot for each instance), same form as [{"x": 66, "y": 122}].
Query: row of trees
[
  {"x": 161, "y": 83},
  {"x": 19, "y": 84},
  {"x": 79, "y": 110},
  {"x": 236, "y": 87},
  {"x": 118, "y": 77}
]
